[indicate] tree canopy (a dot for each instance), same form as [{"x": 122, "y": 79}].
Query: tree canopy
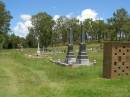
[
  {"x": 5, "y": 18},
  {"x": 42, "y": 28}
]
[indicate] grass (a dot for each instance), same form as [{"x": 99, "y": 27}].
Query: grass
[{"x": 21, "y": 76}]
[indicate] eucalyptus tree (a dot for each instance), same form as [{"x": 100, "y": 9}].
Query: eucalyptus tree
[
  {"x": 60, "y": 30},
  {"x": 42, "y": 28},
  {"x": 62, "y": 24},
  {"x": 75, "y": 25},
  {"x": 100, "y": 29},
  {"x": 126, "y": 29},
  {"x": 88, "y": 28},
  {"x": 5, "y": 18},
  {"x": 120, "y": 17}
]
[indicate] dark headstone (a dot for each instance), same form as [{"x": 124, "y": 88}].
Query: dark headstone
[
  {"x": 82, "y": 57},
  {"x": 70, "y": 57}
]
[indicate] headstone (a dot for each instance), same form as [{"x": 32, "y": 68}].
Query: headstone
[
  {"x": 20, "y": 47},
  {"x": 82, "y": 57},
  {"x": 70, "y": 57},
  {"x": 116, "y": 60},
  {"x": 94, "y": 62},
  {"x": 38, "y": 48}
]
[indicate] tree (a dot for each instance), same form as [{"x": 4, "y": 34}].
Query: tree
[
  {"x": 62, "y": 26},
  {"x": 88, "y": 28},
  {"x": 120, "y": 17},
  {"x": 42, "y": 28},
  {"x": 126, "y": 29},
  {"x": 61, "y": 29},
  {"x": 100, "y": 29},
  {"x": 5, "y": 18},
  {"x": 31, "y": 39},
  {"x": 12, "y": 41},
  {"x": 74, "y": 24},
  {"x": 2, "y": 40}
]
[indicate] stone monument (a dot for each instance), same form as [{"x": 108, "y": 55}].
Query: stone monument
[
  {"x": 82, "y": 58},
  {"x": 38, "y": 47},
  {"x": 70, "y": 57}
]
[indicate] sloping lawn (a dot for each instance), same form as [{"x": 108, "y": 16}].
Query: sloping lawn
[{"x": 21, "y": 76}]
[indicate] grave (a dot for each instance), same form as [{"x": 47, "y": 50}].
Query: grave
[
  {"x": 82, "y": 58},
  {"x": 38, "y": 50},
  {"x": 70, "y": 57},
  {"x": 116, "y": 60}
]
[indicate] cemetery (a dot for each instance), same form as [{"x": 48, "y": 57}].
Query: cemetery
[
  {"x": 26, "y": 76},
  {"x": 63, "y": 56}
]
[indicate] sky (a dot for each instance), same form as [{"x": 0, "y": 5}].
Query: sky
[{"x": 22, "y": 10}]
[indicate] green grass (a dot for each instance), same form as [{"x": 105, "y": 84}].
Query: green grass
[{"x": 21, "y": 76}]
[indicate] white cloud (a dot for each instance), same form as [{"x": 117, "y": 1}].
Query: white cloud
[
  {"x": 25, "y": 17},
  {"x": 28, "y": 23},
  {"x": 88, "y": 14},
  {"x": 100, "y": 18},
  {"x": 85, "y": 14},
  {"x": 69, "y": 15},
  {"x": 21, "y": 28},
  {"x": 56, "y": 17}
]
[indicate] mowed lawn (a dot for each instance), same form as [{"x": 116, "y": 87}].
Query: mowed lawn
[{"x": 21, "y": 76}]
